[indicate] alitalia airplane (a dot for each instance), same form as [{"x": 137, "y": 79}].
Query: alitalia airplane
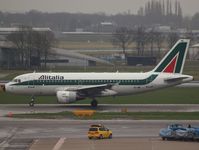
[{"x": 71, "y": 87}]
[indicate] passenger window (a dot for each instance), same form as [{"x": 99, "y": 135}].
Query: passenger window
[{"x": 102, "y": 129}]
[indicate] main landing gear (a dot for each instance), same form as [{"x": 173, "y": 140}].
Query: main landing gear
[
  {"x": 94, "y": 103},
  {"x": 32, "y": 102}
]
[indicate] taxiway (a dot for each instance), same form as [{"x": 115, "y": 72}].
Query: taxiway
[
  {"x": 24, "y": 133},
  {"x": 45, "y": 134}
]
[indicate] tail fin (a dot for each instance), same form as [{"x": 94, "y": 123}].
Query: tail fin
[{"x": 174, "y": 60}]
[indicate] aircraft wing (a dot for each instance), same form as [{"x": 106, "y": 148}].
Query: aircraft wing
[
  {"x": 92, "y": 90},
  {"x": 175, "y": 79},
  {"x": 102, "y": 86}
]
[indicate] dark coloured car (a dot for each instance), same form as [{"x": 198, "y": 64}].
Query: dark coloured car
[{"x": 178, "y": 132}]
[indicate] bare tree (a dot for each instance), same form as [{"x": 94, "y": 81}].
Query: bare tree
[
  {"x": 159, "y": 38},
  {"x": 19, "y": 39},
  {"x": 47, "y": 41},
  {"x": 195, "y": 21},
  {"x": 151, "y": 40},
  {"x": 192, "y": 37},
  {"x": 141, "y": 40},
  {"x": 38, "y": 45},
  {"x": 172, "y": 38},
  {"x": 43, "y": 41},
  {"x": 123, "y": 38},
  {"x": 29, "y": 43}
]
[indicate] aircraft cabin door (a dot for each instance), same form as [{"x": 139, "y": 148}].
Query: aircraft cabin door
[
  {"x": 31, "y": 84},
  {"x": 79, "y": 82}
]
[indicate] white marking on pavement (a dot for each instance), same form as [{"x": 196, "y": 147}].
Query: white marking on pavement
[{"x": 59, "y": 144}]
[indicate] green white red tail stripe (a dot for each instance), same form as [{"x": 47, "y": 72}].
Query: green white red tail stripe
[
  {"x": 173, "y": 62},
  {"x": 171, "y": 66}
]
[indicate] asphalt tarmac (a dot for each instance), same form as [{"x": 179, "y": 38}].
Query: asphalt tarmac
[
  {"x": 26, "y": 133},
  {"x": 113, "y": 144},
  {"x": 35, "y": 134}
]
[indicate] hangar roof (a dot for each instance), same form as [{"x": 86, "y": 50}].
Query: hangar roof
[
  {"x": 69, "y": 53},
  {"x": 17, "y": 29},
  {"x": 196, "y": 46}
]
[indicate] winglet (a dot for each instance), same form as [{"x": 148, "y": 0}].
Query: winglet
[{"x": 174, "y": 60}]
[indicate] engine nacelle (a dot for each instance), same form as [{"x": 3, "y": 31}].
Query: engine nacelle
[{"x": 66, "y": 96}]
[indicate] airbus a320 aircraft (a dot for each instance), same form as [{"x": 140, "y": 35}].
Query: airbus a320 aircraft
[{"x": 70, "y": 87}]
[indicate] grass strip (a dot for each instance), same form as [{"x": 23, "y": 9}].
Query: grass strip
[
  {"x": 115, "y": 115},
  {"x": 164, "y": 96}
]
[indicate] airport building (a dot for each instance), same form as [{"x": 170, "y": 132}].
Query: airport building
[
  {"x": 8, "y": 51},
  {"x": 58, "y": 57}
]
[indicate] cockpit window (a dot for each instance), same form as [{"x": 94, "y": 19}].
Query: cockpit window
[{"x": 16, "y": 80}]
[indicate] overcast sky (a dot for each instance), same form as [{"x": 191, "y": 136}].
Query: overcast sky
[{"x": 87, "y": 6}]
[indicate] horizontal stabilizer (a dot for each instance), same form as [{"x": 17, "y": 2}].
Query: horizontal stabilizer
[{"x": 177, "y": 79}]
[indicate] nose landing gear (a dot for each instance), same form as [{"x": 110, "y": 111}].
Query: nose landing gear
[
  {"x": 32, "y": 102},
  {"x": 94, "y": 103},
  {"x": 3, "y": 87}
]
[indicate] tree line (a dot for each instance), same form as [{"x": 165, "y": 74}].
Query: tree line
[
  {"x": 162, "y": 12},
  {"x": 142, "y": 39},
  {"x": 31, "y": 46}
]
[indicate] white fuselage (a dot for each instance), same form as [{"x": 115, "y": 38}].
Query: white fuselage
[
  {"x": 122, "y": 83},
  {"x": 69, "y": 87}
]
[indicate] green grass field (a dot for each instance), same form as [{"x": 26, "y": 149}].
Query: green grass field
[
  {"x": 115, "y": 115},
  {"x": 165, "y": 96}
]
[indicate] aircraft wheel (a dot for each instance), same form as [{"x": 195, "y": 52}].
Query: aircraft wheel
[
  {"x": 101, "y": 137},
  {"x": 163, "y": 138},
  {"x": 31, "y": 104},
  {"x": 110, "y": 136},
  {"x": 94, "y": 103}
]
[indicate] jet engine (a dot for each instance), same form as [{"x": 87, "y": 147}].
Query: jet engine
[{"x": 66, "y": 96}]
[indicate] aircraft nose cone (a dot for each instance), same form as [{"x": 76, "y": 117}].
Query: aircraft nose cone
[{"x": 3, "y": 87}]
